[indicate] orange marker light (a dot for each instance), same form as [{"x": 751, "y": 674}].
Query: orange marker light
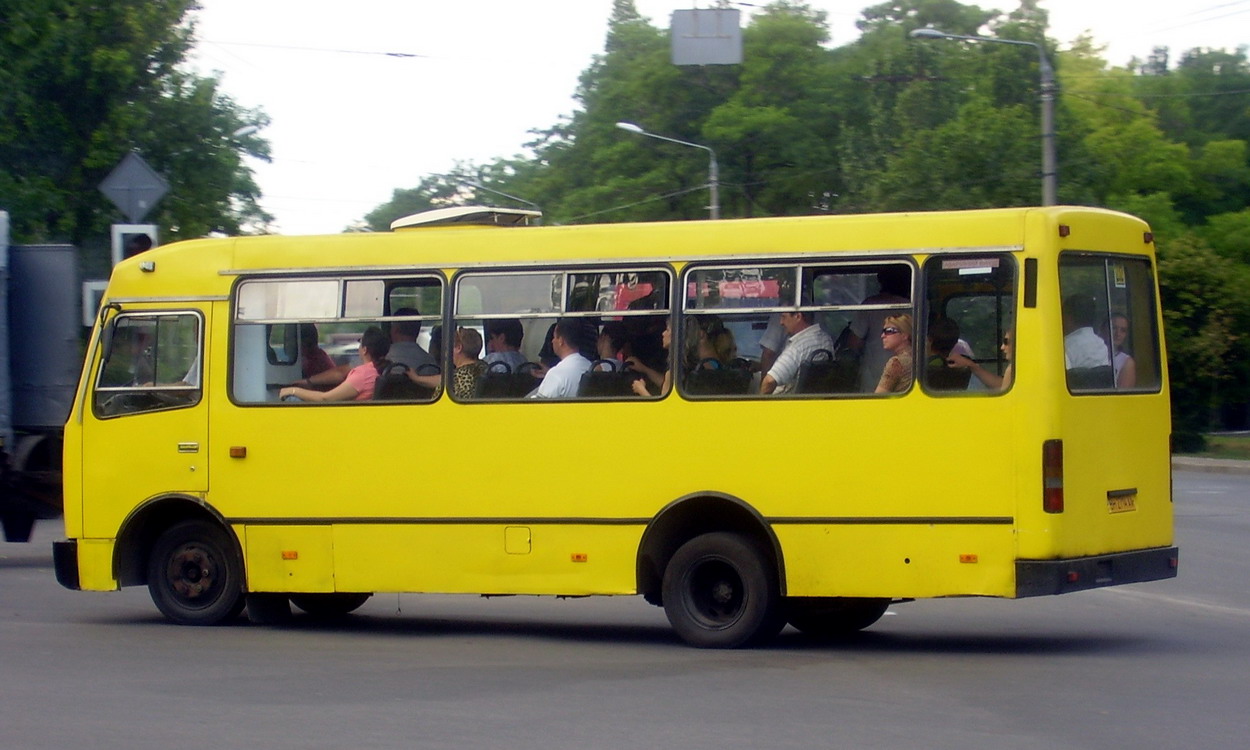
[
  {"x": 578, "y": 557},
  {"x": 968, "y": 559},
  {"x": 238, "y": 451},
  {"x": 290, "y": 554}
]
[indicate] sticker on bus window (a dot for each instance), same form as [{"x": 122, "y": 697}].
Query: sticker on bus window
[
  {"x": 970, "y": 266},
  {"x": 1117, "y": 273}
]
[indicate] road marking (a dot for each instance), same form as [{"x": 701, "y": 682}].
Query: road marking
[{"x": 1181, "y": 601}]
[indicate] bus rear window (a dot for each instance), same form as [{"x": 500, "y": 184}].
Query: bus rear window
[{"x": 1110, "y": 325}]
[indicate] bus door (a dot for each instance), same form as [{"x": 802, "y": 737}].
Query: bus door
[
  {"x": 145, "y": 426},
  {"x": 1115, "y": 480}
]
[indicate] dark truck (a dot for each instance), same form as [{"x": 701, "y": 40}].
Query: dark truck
[{"x": 40, "y": 359}]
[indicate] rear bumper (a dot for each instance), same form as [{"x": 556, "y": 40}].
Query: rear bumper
[
  {"x": 65, "y": 560},
  {"x": 1046, "y": 577}
]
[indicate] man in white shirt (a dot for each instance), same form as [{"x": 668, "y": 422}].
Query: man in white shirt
[
  {"x": 563, "y": 379},
  {"x": 805, "y": 337},
  {"x": 1082, "y": 347}
]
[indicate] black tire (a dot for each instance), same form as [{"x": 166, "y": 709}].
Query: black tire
[
  {"x": 833, "y": 617},
  {"x": 721, "y": 591},
  {"x": 268, "y": 609},
  {"x": 195, "y": 576},
  {"x": 329, "y": 605}
]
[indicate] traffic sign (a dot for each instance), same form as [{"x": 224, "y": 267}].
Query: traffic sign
[{"x": 134, "y": 187}]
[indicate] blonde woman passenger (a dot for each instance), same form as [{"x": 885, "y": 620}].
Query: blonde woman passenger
[{"x": 896, "y": 339}]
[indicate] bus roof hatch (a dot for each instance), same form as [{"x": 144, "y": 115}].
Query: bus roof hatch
[{"x": 469, "y": 215}]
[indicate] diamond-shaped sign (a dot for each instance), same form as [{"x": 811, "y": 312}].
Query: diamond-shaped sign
[{"x": 134, "y": 187}]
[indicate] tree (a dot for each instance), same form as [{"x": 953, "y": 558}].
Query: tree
[
  {"x": 1206, "y": 310},
  {"x": 81, "y": 84}
]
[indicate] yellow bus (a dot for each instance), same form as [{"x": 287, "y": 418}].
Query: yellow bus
[{"x": 748, "y": 422}]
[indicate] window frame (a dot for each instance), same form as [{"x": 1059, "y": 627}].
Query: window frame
[
  {"x": 196, "y": 391},
  {"x": 802, "y": 286},
  {"x": 1009, "y": 260},
  {"x": 567, "y": 285},
  {"x": 390, "y": 278},
  {"x": 1150, "y": 267}
]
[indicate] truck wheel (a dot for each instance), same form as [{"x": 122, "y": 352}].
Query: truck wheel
[
  {"x": 194, "y": 576},
  {"x": 721, "y": 591}
]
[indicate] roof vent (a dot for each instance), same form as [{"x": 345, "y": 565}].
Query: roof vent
[{"x": 486, "y": 216}]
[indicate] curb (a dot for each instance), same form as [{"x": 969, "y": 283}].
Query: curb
[{"x": 1210, "y": 465}]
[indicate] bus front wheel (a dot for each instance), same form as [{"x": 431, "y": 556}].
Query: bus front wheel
[
  {"x": 194, "y": 576},
  {"x": 721, "y": 591}
]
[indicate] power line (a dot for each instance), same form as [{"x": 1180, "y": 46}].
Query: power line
[{"x": 314, "y": 49}]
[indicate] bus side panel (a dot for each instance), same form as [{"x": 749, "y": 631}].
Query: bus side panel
[
  {"x": 899, "y": 561},
  {"x": 289, "y": 558},
  {"x": 486, "y": 558}
]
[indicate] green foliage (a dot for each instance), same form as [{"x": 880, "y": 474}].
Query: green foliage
[
  {"x": 1206, "y": 312},
  {"x": 81, "y": 84}
]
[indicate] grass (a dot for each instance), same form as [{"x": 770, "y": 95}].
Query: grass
[{"x": 1226, "y": 446}]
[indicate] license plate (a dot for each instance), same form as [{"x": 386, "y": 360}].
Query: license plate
[{"x": 1122, "y": 503}]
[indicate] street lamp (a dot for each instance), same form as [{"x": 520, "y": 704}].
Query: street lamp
[
  {"x": 1050, "y": 174},
  {"x": 713, "y": 169}
]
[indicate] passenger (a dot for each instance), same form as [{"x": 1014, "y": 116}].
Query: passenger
[
  {"x": 469, "y": 368},
  {"x": 563, "y": 379},
  {"x": 588, "y": 334},
  {"x": 404, "y": 347},
  {"x": 662, "y": 381},
  {"x": 709, "y": 343},
  {"x": 313, "y": 358},
  {"x": 1082, "y": 348},
  {"x": 1122, "y": 362},
  {"x": 896, "y": 376},
  {"x": 358, "y": 384},
  {"x": 771, "y": 343},
  {"x": 991, "y": 380},
  {"x": 436, "y": 345},
  {"x": 804, "y": 338},
  {"x": 894, "y": 288},
  {"x": 503, "y": 343},
  {"x": 610, "y": 343},
  {"x": 942, "y": 339}
]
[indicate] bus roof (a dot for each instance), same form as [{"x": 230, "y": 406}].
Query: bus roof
[{"x": 209, "y": 266}]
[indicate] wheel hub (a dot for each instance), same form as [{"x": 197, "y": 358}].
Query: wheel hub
[{"x": 191, "y": 572}]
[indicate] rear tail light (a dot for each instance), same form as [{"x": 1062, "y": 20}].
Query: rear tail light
[{"x": 1052, "y": 476}]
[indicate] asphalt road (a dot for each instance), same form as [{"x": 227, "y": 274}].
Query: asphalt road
[{"x": 1164, "y": 665}]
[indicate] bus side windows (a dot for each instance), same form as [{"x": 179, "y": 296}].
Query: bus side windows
[
  {"x": 306, "y": 334},
  {"x": 967, "y": 337},
  {"x": 151, "y": 362},
  {"x": 557, "y": 334},
  {"x": 798, "y": 330}
]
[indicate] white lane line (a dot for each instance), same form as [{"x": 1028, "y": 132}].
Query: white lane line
[{"x": 1181, "y": 602}]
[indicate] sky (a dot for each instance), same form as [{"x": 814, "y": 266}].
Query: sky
[{"x": 369, "y": 96}]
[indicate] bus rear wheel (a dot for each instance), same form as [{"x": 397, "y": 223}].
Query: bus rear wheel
[
  {"x": 194, "y": 576},
  {"x": 329, "y": 605},
  {"x": 832, "y": 616},
  {"x": 721, "y": 591}
]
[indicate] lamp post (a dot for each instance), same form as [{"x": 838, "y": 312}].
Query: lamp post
[
  {"x": 713, "y": 169},
  {"x": 1050, "y": 174}
]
